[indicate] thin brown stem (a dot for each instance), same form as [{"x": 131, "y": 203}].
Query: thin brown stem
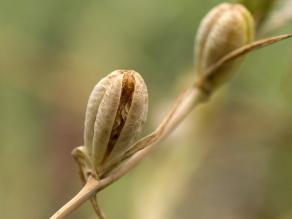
[
  {"x": 178, "y": 112},
  {"x": 181, "y": 108},
  {"x": 96, "y": 207},
  {"x": 84, "y": 194},
  {"x": 244, "y": 50}
]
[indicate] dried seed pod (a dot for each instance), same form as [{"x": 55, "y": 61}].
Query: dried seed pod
[
  {"x": 116, "y": 111},
  {"x": 224, "y": 29}
]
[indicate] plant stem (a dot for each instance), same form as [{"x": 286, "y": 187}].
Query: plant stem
[
  {"x": 84, "y": 194},
  {"x": 182, "y": 107},
  {"x": 96, "y": 207}
]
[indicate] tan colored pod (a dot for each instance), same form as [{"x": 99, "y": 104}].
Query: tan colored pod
[
  {"x": 91, "y": 111},
  {"x": 116, "y": 111},
  {"x": 224, "y": 29}
]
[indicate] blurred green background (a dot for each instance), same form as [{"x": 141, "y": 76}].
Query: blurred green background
[{"x": 232, "y": 158}]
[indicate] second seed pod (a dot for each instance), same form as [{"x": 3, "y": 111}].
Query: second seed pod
[{"x": 224, "y": 29}]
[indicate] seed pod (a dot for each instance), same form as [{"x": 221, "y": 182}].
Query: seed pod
[
  {"x": 224, "y": 29},
  {"x": 116, "y": 110}
]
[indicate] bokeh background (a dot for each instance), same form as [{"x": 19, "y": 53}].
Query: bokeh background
[{"x": 230, "y": 159}]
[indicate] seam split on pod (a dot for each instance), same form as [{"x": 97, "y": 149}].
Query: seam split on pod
[{"x": 116, "y": 111}]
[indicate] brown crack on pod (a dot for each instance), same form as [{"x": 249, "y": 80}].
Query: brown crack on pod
[
  {"x": 128, "y": 87},
  {"x": 116, "y": 110}
]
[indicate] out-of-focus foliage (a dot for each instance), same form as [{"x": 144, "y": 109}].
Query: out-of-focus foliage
[
  {"x": 259, "y": 8},
  {"x": 230, "y": 159}
]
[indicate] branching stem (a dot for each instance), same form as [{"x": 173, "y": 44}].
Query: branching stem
[{"x": 181, "y": 108}]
